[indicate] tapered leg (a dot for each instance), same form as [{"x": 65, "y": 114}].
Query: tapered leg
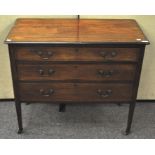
[
  {"x": 130, "y": 117},
  {"x": 19, "y": 116},
  {"x": 62, "y": 107}
]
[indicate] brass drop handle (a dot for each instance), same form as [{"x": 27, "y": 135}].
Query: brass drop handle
[
  {"x": 51, "y": 71},
  {"x": 103, "y": 54},
  {"x": 106, "y": 73},
  {"x": 101, "y": 72},
  {"x": 45, "y": 55},
  {"x": 41, "y": 71},
  {"x": 46, "y": 93},
  {"x": 105, "y": 93}
]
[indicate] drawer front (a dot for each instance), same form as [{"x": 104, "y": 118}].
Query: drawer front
[
  {"x": 46, "y": 53},
  {"x": 85, "y": 72},
  {"x": 75, "y": 92}
]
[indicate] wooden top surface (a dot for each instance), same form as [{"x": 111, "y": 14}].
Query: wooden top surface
[{"x": 100, "y": 31}]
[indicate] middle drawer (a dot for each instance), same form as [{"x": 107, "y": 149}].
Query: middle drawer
[{"x": 85, "y": 72}]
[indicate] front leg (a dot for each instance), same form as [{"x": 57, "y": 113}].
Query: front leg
[
  {"x": 19, "y": 116},
  {"x": 130, "y": 118}
]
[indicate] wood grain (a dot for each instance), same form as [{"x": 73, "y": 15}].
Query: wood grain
[
  {"x": 83, "y": 54},
  {"x": 74, "y": 92},
  {"x": 68, "y": 61},
  {"x": 76, "y": 72},
  {"x": 76, "y": 31}
]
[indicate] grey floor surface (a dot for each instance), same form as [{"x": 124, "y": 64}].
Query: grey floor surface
[{"x": 97, "y": 121}]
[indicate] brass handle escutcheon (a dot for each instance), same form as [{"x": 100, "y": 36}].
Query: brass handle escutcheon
[
  {"x": 41, "y": 71},
  {"x": 47, "y": 55},
  {"x": 46, "y": 93},
  {"x": 105, "y": 54},
  {"x": 43, "y": 54},
  {"x": 51, "y": 71},
  {"x": 105, "y": 93},
  {"x": 108, "y": 73}
]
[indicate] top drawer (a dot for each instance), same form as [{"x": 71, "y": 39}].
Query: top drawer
[{"x": 48, "y": 53}]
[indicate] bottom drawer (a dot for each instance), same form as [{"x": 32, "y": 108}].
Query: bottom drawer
[{"x": 84, "y": 92}]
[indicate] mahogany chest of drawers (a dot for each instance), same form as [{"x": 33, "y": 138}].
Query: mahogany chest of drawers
[{"x": 84, "y": 61}]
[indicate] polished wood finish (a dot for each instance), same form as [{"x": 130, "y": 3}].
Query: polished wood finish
[
  {"x": 76, "y": 31},
  {"x": 76, "y": 92},
  {"x": 44, "y": 53},
  {"x": 76, "y": 72},
  {"x": 68, "y": 61}
]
